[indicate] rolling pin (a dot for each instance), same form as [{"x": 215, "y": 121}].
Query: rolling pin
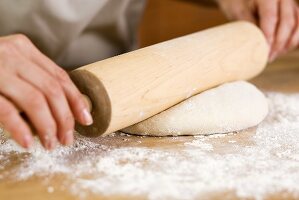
[{"x": 134, "y": 86}]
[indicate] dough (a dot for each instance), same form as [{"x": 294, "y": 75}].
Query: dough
[{"x": 229, "y": 107}]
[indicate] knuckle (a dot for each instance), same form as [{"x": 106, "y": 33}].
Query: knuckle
[
  {"x": 20, "y": 39},
  {"x": 6, "y": 47},
  {"x": 77, "y": 100},
  {"x": 21, "y": 42},
  {"x": 62, "y": 75},
  {"x": 272, "y": 19},
  {"x": 51, "y": 128},
  {"x": 51, "y": 125},
  {"x": 68, "y": 121},
  {"x": 52, "y": 88},
  {"x": 35, "y": 100},
  {"x": 48, "y": 128},
  {"x": 269, "y": 11},
  {"x": 7, "y": 111}
]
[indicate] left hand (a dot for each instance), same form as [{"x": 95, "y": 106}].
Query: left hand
[{"x": 278, "y": 19}]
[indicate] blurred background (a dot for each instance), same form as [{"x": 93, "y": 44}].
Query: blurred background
[{"x": 167, "y": 19}]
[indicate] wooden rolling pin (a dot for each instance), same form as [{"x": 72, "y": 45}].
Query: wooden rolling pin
[{"x": 132, "y": 87}]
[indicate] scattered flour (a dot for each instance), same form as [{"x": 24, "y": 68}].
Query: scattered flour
[
  {"x": 50, "y": 189},
  {"x": 269, "y": 164}
]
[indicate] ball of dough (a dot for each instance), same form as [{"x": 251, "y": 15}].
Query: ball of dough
[{"x": 229, "y": 107}]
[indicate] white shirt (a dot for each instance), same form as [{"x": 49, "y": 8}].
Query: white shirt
[{"x": 74, "y": 32}]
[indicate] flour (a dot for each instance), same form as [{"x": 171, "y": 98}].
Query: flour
[
  {"x": 268, "y": 164},
  {"x": 50, "y": 189}
]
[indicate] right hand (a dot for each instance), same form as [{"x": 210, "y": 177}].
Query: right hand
[
  {"x": 278, "y": 19},
  {"x": 31, "y": 82}
]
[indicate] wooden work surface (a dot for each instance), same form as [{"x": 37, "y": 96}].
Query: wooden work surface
[{"x": 281, "y": 76}]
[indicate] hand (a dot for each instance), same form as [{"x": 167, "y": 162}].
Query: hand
[
  {"x": 31, "y": 82},
  {"x": 278, "y": 19}
]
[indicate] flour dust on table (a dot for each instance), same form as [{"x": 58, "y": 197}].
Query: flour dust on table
[
  {"x": 229, "y": 107},
  {"x": 254, "y": 165}
]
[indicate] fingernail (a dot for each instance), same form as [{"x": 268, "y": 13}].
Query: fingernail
[
  {"x": 68, "y": 138},
  {"x": 87, "y": 117},
  {"x": 27, "y": 139}
]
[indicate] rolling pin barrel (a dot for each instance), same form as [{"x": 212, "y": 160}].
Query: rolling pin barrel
[{"x": 129, "y": 88}]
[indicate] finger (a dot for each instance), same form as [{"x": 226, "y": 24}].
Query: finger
[
  {"x": 34, "y": 104},
  {"x": 73, "y": 95},
  {"x": 285, "y": 28},
  {"x": 268, "y": 16},
  {"x": 14, "y": 124},
  {"x": 55, "y": 97},
  {"x": 245, "y": 12},
  {"x": 235, "y": 10},
  {"x": 75, "y": 98},
  {"x": 294, "y": 40}
]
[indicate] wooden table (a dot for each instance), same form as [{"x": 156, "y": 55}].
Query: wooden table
[{"x": 281, "y": 76}]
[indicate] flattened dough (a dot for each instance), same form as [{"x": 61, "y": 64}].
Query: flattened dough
[{"x": 229, "y": 107}]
